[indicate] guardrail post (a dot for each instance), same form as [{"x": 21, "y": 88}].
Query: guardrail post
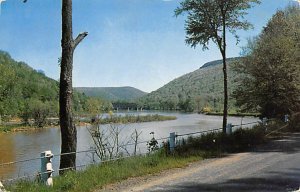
[
  {"x": 93, "y": 154},
  {"x": 2, "y": 188},
  {"x": 265, "y": 121},
  {"x": 172, "y": 141},
  {"x": 229, "y": 128},
  {"x": 46, "y": 168},
  {"x": 286, "y": 118}
]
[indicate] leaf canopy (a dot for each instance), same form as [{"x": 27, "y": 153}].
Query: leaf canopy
[{"x": 207, "y": 19}]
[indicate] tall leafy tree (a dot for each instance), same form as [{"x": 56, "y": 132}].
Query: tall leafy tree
[
  {"x": 269, "y": 80},
  {"x": 210, "y": 20},
  {"x": 7, "y": 89}
]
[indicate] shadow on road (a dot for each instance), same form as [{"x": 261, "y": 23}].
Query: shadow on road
[
  {"x": 289, "y": 143},
  {"x": 283, "y": 180},
  {"x": 274, "y": 182}
]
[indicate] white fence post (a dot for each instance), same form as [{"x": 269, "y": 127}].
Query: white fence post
[
  {"x": 46, "y": 168},
  {"x": 286, "y": 118},
  {"x": 2, "y": 188},
  {"x": 172, "y": 141},
  {"x": 229, "y": 128},
  {"x": 265, "y": 121}
]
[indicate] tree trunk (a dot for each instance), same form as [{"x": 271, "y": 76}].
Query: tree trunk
[
  {"x": 225, "y": 110},
  {"x": 223, "y": 51},
  {"x": 68, "y": 129}
]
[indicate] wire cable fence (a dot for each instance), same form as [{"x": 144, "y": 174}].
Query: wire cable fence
[
  {"x": 36, "y": 175},
  {"x": 243, "y": 124},
  {"x": 199, "y": 132}
]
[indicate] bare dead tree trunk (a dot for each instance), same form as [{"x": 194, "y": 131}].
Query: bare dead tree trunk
[{"x": 68, "y": 129}]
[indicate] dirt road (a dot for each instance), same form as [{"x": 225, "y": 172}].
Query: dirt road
[{"x": 274, "y": 167}]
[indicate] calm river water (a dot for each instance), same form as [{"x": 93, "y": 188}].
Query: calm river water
[{"x": 27, "y": 145}]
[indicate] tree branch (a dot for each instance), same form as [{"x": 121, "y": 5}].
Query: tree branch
[{"x": 79, "y": 38}]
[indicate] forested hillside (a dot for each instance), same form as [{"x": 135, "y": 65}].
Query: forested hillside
[
  {"x": 198, "y": 90},
  {"x": 269, "y": 71},
  {"x": 112, "y": 93},
  {"x": 25, "y": 92}
]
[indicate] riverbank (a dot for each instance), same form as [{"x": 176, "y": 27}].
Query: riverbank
[
  {"x": 193, "y": 149},
  {"x": 20, "y": 127},
  {"x": 135, "y": 119},
  {"x": 234, "y": 114}
]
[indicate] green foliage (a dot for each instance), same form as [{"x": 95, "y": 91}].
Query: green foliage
[
  {"x": 203, "y": 88},
  {"x": 294, "y": 122},
  {"x": 112, "y": 93},
  {"x": 7, "y": 91},
  {"x": 152, "y": 145},
  {"x": 269, "y": 80},
  {"x": 209, "y": 20},
  {"x": 135, "y": 119},
  {"x": 27, "y": 93},
  {"x": 96, "y": 106},
  {"x": 218, "y": 142},
  {"x": 186, "y": 105},
  {"x": 20, "y": 83},
  {"x": 39, "y": 111},
  {"x": 79, "y": 102}
]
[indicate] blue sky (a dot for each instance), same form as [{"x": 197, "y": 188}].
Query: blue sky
[{"x": 135, "y": 43}]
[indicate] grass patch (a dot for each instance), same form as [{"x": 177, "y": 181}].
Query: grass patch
[
  {"x": 217, "y": 143},
  {"x": 14, "y": 127}
]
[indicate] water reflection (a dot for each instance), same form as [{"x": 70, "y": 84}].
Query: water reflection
[
  {"x": 27, "y": 145},
  {"x": 7, "y": 153}
]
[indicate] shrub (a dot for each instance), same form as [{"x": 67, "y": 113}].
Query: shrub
[
  {"x": 218, "y": 142},
  {"x": 294, "y": 124}
]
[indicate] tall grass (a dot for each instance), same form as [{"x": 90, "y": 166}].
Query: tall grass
[
  {"x": 217, "y": 143},
  {"x": 96, "y": 176}
]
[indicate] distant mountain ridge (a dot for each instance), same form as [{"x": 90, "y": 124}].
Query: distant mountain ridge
[
  {"x": 218, "y": 62},
  {"x": 112, "y": 93}
]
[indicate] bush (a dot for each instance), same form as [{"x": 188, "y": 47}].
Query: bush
[
  {"x": 218, "y": 142},
  {"x": 294, "y": 124}
]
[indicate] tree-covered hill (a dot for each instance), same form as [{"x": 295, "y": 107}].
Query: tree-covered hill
[
  {"x": 112, "y": 93},
  {"x": 198, "y": 90},
  {"x": 24, "y": 90},
  {"x": 21, "y": 85}
]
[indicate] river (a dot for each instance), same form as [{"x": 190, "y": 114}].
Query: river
[{"x": 27, "y": 145}]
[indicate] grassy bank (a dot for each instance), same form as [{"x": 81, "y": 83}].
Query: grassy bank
[
  {"x": 15, "y": 128},
  {"x": 24, "y": 127},
  {"x": 134, "y": 119},
  {"x": 97, "y": 176}
]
